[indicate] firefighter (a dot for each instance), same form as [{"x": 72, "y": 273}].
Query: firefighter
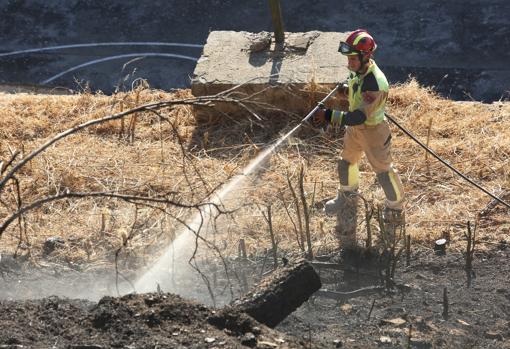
[{"x": 367, "y": 131}]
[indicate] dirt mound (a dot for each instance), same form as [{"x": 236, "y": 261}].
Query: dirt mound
[{"x": 132, "y": 321}]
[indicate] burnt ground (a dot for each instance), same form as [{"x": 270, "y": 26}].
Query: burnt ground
[
  {"x": 151, "y": 320},
  {"x": 412, "y": 314},
  {"x": 133, "y": 321}
]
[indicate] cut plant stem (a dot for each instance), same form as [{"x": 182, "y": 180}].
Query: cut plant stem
[{"x": 445, "y": 303}]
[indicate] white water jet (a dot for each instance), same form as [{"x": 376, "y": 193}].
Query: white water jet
[{"x": 174, "y": 260}]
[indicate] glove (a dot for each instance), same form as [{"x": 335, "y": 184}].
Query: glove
[
  {"x": 343, "y": 91},
  {"x": 319, "y": 117}
]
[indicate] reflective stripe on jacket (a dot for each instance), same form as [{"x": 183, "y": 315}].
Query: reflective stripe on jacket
[{"x": 368, "y": 93}]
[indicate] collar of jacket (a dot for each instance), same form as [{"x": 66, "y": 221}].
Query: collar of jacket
[{"x": 370, "y": 66}]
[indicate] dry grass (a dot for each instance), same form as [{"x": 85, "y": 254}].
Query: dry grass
[{"x": 150, "y": 161}]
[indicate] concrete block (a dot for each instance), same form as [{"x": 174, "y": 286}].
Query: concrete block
[{"x": 271, "y": 74}]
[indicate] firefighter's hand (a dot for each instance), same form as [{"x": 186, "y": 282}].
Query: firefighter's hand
[
  {"x": 343, "y": 91},
  {"x": 319, "y": 117}
]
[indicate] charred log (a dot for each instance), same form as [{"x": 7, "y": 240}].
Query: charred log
[{"x": 277, "y": 296}]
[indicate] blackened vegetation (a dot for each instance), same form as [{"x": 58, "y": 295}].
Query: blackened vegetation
[{"x": 429, "y": 305}]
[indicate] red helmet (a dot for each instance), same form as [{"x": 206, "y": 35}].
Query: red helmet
[{"x": 359, "y": 42}]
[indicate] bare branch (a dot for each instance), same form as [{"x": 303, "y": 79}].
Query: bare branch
[
  {"x": 128, "y": 198},
  {"x": 306, "y": 211},
  {"x": 22, "y": 224},
  {"x": 205, "y": 101},
  {"x": 4, "y": 166},
  {"x": 299, "y": 242},
  {"x": 298, "y": 210},
  {"x": 183, "y": 151},
  {"x": 125, "y": 241}
]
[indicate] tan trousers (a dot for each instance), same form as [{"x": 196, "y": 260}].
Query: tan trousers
[{"x": 375, "y": 142}]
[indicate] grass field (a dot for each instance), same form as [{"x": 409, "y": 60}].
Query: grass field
[{"x": 168, "y": 156}]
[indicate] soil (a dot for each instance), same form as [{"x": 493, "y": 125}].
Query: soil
[
  {"x": 411, "y": 314},
  {"x": 151, "y": 320},
  {"x": 133, "y": 321}
]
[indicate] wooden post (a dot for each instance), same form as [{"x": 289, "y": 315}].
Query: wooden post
[{"x": 276, "y": 13}]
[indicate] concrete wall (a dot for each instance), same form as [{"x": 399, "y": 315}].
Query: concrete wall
[{"x": 260, "y": 71}]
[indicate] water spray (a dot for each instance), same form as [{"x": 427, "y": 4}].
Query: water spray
[{"x": 181, "y": 249}]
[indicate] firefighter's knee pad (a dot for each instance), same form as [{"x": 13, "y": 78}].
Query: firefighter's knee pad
[{"x": 349, "y": 175}]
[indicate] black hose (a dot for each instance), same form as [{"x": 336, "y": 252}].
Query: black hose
[{"x": 430, "y": 151}]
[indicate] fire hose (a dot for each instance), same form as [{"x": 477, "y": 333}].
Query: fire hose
[
  {"x": 410, "y": 135},
  {"x": 444, "y": 162}
]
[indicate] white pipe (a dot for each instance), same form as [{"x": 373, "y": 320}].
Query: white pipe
[
  {"x": 111, "y": 58},
  {"x": 98, "y": 44}
]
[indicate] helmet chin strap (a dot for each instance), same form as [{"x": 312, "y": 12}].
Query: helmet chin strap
[{"x": 363, "y": 63}]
